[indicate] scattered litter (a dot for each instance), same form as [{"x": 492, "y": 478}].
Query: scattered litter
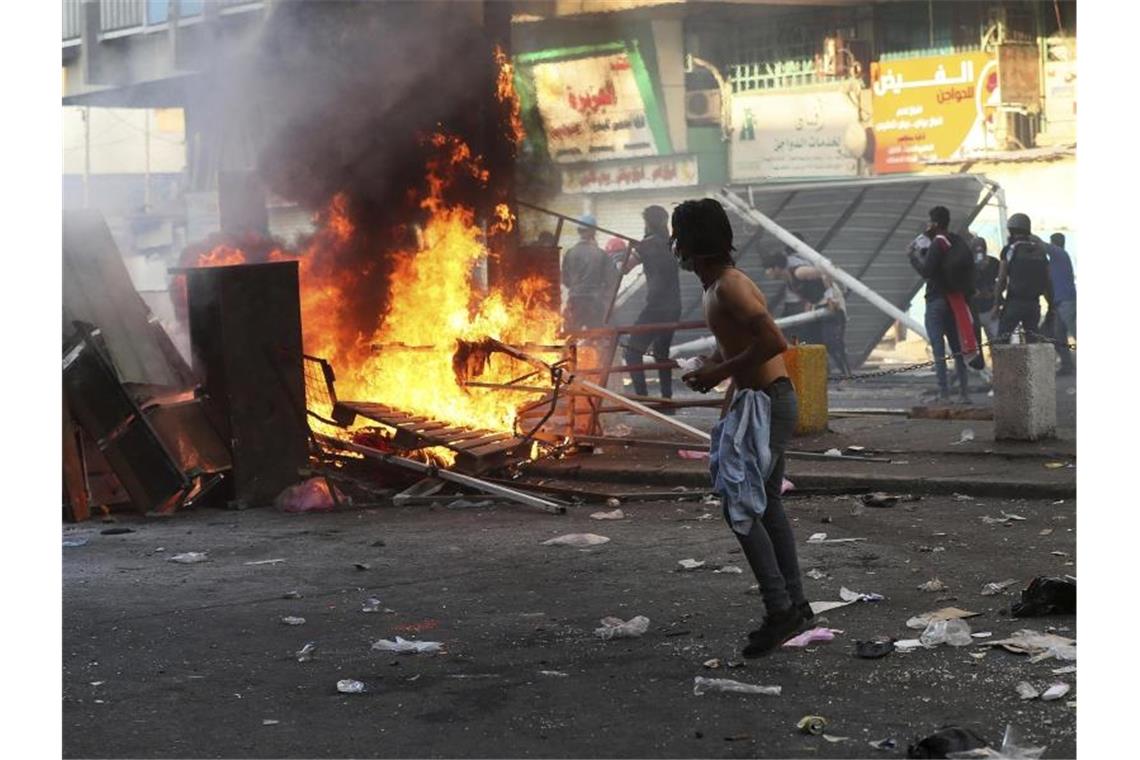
[
  {"x": 712, "y": 664},
  {"x": 469, "y": 504},
  {"x": 362, "y": 565},
  {"x": 1060, "y": 554},
  {"x": 881, "y": 499},
  {"x": 848, "y": 595},
  {"x": 291, "y": 620},
  {"x": 313, "y": 495},
  {"x": 907, "y": 645},
  {"x": 616, "y": 628},
  {"x": 786, "y": 486},
  {"x": 577, "y": 539},
  {"x": 264, "y": 562},
  {"x": 982, "y": 634},
  {"x": 616, "y": 514},
  {"x": 875, "y": 648},
  {"x": 555, "y": 673},
  {"x": 100, "y": 683},
  {"x": 818, "y": 608},
  {"x": 1012, "y": 748},
  {"x": 403, "y": 646},
  {"x": 693, "y": 453},
  {"x": 1056, "y": 691},
  {"x": 990, "y": 589},
  {"x": 1066, "y": 669},
  {"x": 920, "y": 622},
  {"x": 116, "y": 531},
  {"x": 690, "y": 564},
  {"x": 728, "y": 570},
  {"x": 963, "y": 497},
  {"x": 613, "y": 503},
  {"x": 291, "y": 595},
  {"x": 270, "y": 722},
  {"x": 349, "y": 686},
  {"x": 1039, "y": 646},
  {"x": 945, "y": 741},
  {"x": 706, "y": 685},
  {"x": 815, "y": 574},
  {"x": 1010, "y": 516},
  {"x": 833, "y": 453},
  {"x": 619, "y": 431},
  {"x": 834, "y": 739},
  {"x": 1045, "y": 532},
  {"x": 932, "y": 585},
  {"x": 1025, "y": 690},
  {"x": 371, "y": 604},
  {"x": 979, "y": 655},
  {"x": 965, "y": 436},
  {"x": 1054, "y": 465},
  {"x": 189, "y": 558},
  {"x": 813, "y": 725},
  {"x": 821, "y": 538},
  {"x": 811, "y": 637},
  {"x": 886, "y": 745},
  {"x": 72, "y": 543},
  {"x": 1047, "y": 596},
  {"x": 307, "y": 652},
  {"x": 955, "y": 632}
]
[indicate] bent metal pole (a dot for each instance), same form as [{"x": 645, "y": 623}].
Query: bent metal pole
[{"x": 741, "y": 207}]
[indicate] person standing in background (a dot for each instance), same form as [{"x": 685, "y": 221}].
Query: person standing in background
[
  {"x": 662, "y": 301},
  {"x": 1023, "y": 279},
  {"x": 1064, "y": 309},
  {"x": 985, "y": 278},
  {"x": 587, "y": 273}
]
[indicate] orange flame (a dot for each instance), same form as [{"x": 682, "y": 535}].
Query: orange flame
[
  {"x": 434, "y": 302},
  {"x": 505, "y": 92}
]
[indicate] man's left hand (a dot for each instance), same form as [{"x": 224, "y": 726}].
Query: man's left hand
[{"x": 704, "y": 379}]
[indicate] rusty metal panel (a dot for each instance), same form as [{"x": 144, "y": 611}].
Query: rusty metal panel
[{"x": 245, "y": 331}]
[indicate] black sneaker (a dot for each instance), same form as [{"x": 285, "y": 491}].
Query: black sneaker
[
  {"x": 778, "y": 627},
  {"x": 807, "y": 620}
]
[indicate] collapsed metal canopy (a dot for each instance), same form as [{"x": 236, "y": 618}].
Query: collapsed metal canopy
[{"x": 864, "y": 226}]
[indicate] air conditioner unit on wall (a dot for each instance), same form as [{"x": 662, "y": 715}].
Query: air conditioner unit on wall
[{"x": 703, "y": 107}]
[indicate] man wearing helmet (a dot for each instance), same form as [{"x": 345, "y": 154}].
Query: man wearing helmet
[
  {"x": 1022, "y": 279},
  {"x": 586, "y": 273}
]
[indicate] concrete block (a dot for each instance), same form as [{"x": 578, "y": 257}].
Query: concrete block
[
  {"x": 807, "y": 369},
  {"x": 1025, "y": 392}
]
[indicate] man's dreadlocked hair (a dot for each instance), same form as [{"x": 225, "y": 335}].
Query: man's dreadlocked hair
[{"x": 702, "y": 228}]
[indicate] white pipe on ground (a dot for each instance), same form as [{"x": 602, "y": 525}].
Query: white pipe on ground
[{"x": 818, "y": 259}]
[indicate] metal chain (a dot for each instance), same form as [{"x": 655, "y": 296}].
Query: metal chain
[{"x": 1000, "y": 340}]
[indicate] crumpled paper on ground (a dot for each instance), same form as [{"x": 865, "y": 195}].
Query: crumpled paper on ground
[
  {"x": 616, "y": 628},
  {"x": 403, "y": 646},
  {"x": 312, "y": 495},
  {"x": 811, "y": 637},
  {"x": 577, "y": 539}
]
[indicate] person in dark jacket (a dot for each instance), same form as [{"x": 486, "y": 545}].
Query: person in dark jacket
[
  {"x": 588, "y": 274},
  {"x": 985, "y": 279},
  {"x": 1064, "y": 301},
  {"x": 925, "y": 255},
  {"x": 662, "y": 300},
  {"x": 1022, "y": 281}
]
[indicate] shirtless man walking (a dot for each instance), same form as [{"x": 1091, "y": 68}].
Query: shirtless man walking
[{"x": 747, "y": 451}]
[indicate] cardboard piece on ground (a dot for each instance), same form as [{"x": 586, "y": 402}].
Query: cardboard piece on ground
[{"x": 946, "y": 613}]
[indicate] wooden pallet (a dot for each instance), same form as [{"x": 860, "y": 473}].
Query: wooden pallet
[{"x": 476, "y": 450}]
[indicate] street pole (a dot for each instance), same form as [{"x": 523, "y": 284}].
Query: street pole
[{"x": 86, "y": 156}]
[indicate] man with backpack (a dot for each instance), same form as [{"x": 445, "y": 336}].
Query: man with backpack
[
  {"x": 1022, "y": 279},
  {"x": 946, "y": 262}
]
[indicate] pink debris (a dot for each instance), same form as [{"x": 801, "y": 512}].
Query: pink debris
[
  {"x": 311, "y": 496},
  {"x": 786, "y": 486},
  {"x": 811, "y": 637},
  {"x": 692, "y": 454}
]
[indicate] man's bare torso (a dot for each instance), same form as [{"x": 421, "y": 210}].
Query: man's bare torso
[{"x": 732, "y": 335}]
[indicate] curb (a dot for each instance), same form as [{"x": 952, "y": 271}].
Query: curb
[{"x": 823, "y": 483}]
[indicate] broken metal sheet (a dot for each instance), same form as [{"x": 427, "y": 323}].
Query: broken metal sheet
[{"x": 863, "y": 226}]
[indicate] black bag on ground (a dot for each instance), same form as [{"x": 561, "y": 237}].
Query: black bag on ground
[
  {"x": 945, "y": 741},
  {"x": 1047, "y": 596},
  {"x": 957, "y": 273}
]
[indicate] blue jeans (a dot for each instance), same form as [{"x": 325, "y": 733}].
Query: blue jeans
[
  {"x": 941, "y": 329},
  {"x": 1064, "y": 327}
]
